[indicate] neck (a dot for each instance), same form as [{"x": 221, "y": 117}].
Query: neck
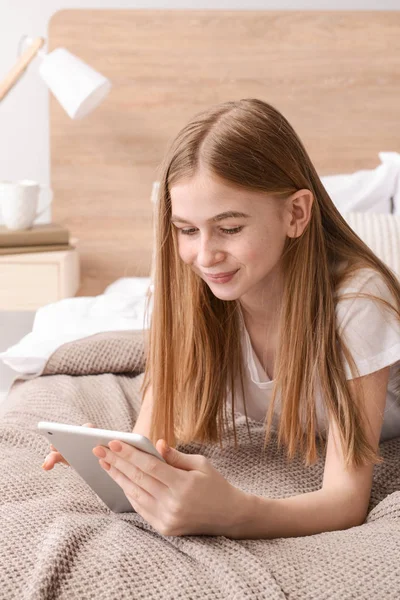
[{"x": 260, "y": 307}]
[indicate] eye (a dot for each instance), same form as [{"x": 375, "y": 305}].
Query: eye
[{"x": 193, "y": 230}]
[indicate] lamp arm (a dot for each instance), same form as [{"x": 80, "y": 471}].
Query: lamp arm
[{"x": 20, "y": 66}]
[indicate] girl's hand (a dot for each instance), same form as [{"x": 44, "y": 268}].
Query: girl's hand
[
  {"x": 184, "y": 496},
  {"x": 55, "y": 457}
]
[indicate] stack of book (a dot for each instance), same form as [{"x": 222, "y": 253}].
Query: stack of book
[{"x": 48, "y": 237}]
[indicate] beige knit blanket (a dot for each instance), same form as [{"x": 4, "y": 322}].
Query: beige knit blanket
[{"x": 58, "y": 540}]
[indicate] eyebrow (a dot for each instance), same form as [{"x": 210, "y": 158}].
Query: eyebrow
[{"x": 229, "y": 214}]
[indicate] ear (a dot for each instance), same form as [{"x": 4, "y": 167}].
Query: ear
[{"x": 298, "y": 212}]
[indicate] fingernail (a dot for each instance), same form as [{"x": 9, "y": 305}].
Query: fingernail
[
  {"x": 99, "y": 452},
  {"x": 116, "y": 446}
]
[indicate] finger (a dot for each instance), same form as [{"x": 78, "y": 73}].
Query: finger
[
  {"x": 56, "y": 455},
  {"x": 137, "y": 477},
  {"x": 142, "y": 502},
  {"x": 137, "y": 495},
  {"x": 53, "y": 458},
  {"x": 59, "y": 458},
  {"x": 153, "y": 466}
]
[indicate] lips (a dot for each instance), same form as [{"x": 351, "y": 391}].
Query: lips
[{"x": 220, "y": 275}]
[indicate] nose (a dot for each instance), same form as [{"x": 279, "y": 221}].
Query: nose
[{"x": 209, "y": 254}]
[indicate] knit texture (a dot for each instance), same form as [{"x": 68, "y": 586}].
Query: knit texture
[{"x": 58, "y": 540}]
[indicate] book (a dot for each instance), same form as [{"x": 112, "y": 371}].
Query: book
[
  {"x": 37, "y": 235},
  {"x": 30, "y": 249}
]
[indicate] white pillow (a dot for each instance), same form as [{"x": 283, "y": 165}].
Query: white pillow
[
  {"x": 74, "y": 318},
  {"x": 372, "y": 190},
  {"x": 129, "y": 286}
]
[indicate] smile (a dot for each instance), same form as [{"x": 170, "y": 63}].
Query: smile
[{"x": 222, "y": 277}]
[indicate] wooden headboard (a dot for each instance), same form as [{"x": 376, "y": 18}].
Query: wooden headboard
[{"x": 334, "y": 75}]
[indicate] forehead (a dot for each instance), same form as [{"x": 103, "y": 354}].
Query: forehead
[{"x": 206, "y": 195}]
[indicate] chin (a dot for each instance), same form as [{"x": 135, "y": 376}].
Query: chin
[{"x": 228, "y": 294}]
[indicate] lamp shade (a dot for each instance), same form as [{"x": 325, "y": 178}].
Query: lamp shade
[{"x": 77, "y": 87}]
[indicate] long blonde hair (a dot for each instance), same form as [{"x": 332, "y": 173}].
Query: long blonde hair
[{"x": 194, "y": 352}]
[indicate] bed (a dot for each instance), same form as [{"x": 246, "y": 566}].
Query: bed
[{"x": 57, "y": 539}]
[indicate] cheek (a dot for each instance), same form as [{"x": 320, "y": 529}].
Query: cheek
[
  {"x": 185, "y": 251},
  {"x": 250, "y": 252},
  {"x": 260, "y": 252}
]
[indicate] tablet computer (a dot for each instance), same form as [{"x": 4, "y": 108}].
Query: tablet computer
[{"x": 76, "y": 443}]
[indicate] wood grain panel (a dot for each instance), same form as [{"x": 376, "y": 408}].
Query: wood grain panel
[{"x": 334, "y": 75}]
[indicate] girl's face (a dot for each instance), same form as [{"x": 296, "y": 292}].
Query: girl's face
[{"x": 223, "y": 229}]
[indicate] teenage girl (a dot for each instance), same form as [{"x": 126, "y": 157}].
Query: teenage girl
[{"x": 265, "y": 303}]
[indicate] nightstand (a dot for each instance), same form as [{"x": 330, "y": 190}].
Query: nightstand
[{"x": 29, "y": 281}]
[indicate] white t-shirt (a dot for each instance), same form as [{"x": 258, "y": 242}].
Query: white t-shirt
[{"x": 372, "y": 334}]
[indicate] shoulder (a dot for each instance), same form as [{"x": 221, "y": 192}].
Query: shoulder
[
  {"x": 370, "y": 329},
  {"x": 365, "y": 277},
  {"x": 369, "y": 283}
]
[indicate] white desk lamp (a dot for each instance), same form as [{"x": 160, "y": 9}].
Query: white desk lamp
[{"x": 77, "y": 87}]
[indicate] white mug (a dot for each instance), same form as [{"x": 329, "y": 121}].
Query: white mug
[{"x": 19, "y": 202}]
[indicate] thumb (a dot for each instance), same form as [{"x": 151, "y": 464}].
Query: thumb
[{"x": 177, "y": 459}]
